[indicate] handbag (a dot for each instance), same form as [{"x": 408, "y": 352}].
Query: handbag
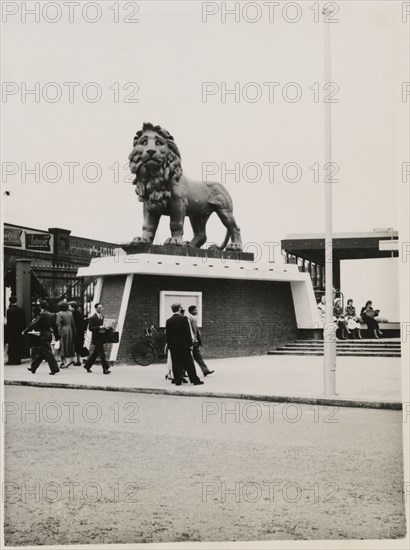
[
  {"x": 85, "y": 352},
  {"x": 57, "y": 345},
  {"x": 111, "y": 337},
  {"x": 370, "y": 313},
  {"x": 33, "y": 339}
]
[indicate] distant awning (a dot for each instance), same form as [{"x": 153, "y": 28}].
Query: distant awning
[{"x": 347, "y": 246}]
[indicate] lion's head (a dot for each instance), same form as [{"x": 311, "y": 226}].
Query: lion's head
[{"x": 156, "y": 162}]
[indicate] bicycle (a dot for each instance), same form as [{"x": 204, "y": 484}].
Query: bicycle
[{"x": 149, "y": 348}]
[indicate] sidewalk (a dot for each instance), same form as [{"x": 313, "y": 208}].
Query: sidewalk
[{"x": 373, "y": 382}]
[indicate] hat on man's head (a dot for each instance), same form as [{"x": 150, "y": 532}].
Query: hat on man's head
[{"x": 176, "y": 307}]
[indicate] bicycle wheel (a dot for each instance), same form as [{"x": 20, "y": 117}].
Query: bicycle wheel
[{"x": 143, "y": 353}]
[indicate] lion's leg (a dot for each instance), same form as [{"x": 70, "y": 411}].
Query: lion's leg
[
  {"x": 229, "y": 222},
  {"x": 199, "y": 228},
  {"x": 149, "y": 228},
  {"x": 176, "y": 225}
]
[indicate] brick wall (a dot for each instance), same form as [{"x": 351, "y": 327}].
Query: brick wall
[{"x": 239, "y": 317}]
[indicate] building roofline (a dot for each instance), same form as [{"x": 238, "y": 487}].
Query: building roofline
[
  {"x": 116, "y": 245},
  {"x": 24, "y": 227},
  {"x": 352, "y": 235}
]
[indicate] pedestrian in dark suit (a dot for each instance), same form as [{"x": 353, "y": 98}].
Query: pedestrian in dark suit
[
  {"x": 193, "y": 312},
  {"x": 179, "y": 340},
  {"x": 16, "y": 321},
  {"x": 98, "y": 331},
  {"x": 45, "y": 323}
]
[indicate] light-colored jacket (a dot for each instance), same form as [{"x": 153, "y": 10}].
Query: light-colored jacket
[{"x": 196, "y": 336}]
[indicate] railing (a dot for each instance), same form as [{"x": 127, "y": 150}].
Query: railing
[
  {"x": 37, "y": 288},
  {"x": 73, "y": 292},
  {"x": 88, "y": 296},
  {"x": 82, "y": 291}
]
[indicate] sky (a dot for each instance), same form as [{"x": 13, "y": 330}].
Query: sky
[{"x": 169, "y": 63}]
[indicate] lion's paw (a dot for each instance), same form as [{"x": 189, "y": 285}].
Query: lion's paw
[
  {"x": 139, "y": 240},
  {"x": 236, "y": 247},
  {"x": 174, "y": 242}
]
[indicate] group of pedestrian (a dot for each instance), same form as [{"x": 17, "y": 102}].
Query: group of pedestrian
[
  {"x": 183, "y": 339},
  {"x": 67, "y": 327},
  {"x": 348, "y": 322}
]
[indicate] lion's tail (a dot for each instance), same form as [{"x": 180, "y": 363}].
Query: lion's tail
[{"x": 225, "y": 242}]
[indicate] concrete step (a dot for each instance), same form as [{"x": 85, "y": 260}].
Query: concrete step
[
  {"x": 347, "y": 346},
  {"x": 356, "y": 350},
  {"x": 348, "y": 343},
  {"x": 352, "y": 348},
  {"x": 338, "y": 353},
  {"x": 359, "y": 340},
  {"x": 341, "y": 346}
]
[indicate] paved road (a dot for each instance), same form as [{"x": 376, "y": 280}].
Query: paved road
[{"x": 110, "y": 467}]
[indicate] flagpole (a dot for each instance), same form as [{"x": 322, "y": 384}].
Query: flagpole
[{"x": 329, "y": 330}]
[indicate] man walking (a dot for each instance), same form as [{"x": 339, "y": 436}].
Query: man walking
[
  {"x": 16, "y": 321},
  {"x": 96, "y": 326},
  {"x": 179, "y": 340},
  {"x": 192, "y": 313},
  {"x": 45, "y": 323}
]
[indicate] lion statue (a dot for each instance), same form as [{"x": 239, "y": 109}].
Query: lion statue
[{"x": 163, "y": 188}]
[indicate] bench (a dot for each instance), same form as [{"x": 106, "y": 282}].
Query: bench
[
  {"x": 382, "y": 326},
  {"x": 390, "y": 330}
]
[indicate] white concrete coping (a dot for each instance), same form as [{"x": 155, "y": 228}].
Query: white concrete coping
[
  {"x": 188, "y": 266},
  {"x": 389, "y": 246}
]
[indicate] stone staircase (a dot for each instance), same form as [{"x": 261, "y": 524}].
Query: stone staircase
[{"x": 384, "y": 347}]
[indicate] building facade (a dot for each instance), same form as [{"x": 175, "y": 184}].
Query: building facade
[{"x": 48, "y": 261}]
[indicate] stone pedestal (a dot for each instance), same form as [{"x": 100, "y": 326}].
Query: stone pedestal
[
  {"x": 147, "y": 248},
  {"x": 246, "y": 307}
]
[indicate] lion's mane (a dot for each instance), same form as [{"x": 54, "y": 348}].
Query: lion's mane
[{"x": 156, "y": 191}]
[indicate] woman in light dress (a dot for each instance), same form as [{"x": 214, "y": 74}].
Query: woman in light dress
[{"x": 67, "y": 332}]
